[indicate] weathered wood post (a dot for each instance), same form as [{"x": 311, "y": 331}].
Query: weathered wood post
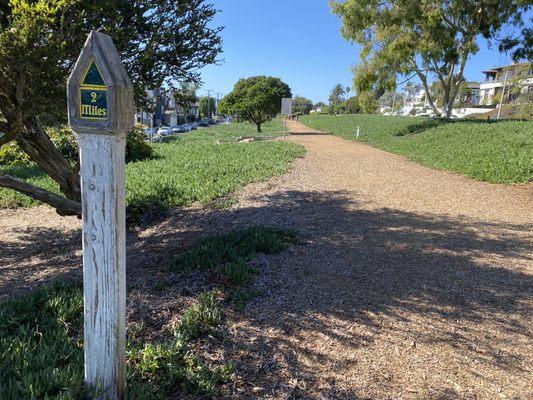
[{"x": 101, "y": 111}]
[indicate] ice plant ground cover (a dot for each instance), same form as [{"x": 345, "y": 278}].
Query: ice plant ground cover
[{"x": 497, "y": 152}]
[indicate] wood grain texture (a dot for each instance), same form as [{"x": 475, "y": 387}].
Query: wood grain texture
[
  {"x": 102, "y": 156},
  {"x": 121, "y": 107},
  {"x": 104, "y": 261}
]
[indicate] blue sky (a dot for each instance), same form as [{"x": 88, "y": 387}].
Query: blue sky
[{"x": 298, "y": 41}]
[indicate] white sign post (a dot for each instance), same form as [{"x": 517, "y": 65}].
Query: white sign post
[{"x": 101, "y": 111}]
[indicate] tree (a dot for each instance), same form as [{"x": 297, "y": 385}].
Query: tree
[
  {"x": 185, "y": 97},
  {"x": 336, "y": 97},
  {"x": 425, "y": 38},
  {"x": 301, "y": 105},
  {"x": 207, "y": 106},
  {"x": 256, "y": 99},
  {"x": 318, "y": 105},
  {"x": 352, "y": 105},
  {"x": 162, "y": 43}
]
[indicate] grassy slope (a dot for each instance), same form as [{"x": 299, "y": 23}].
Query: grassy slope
[
  {"x": 189, "y": 168},
  {"x": 498, "y": 152}
]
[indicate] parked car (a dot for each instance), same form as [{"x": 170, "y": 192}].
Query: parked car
[
  {"x": 193, "y": 125},
  {"x": 187, "y": 127},
  {"x": 178, "y": 129},
  {"x": 149, "y": 131},
  {"x": 203, "y": 122},
  {"x": 164, "y": 131}
]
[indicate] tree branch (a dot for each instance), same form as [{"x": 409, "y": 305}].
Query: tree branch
[
  {"x": 62, "y": 205},
  {"x": 423, "y": 78}
]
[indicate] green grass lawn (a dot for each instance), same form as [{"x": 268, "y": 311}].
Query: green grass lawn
[
  {"x": 498, "y": 152},
  {"x": 196, "y": 167}
]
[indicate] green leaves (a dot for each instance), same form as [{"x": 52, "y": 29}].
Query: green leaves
[
  {"x": 256, "y": 99},
  {"x": 426, "y": 37}
]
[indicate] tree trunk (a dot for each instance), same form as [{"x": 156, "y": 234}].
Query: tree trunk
[
  {"x": 36, "y": 143},
  {"x": 426, "y": 89},
  {"x": 62, "y": 205},
  {"x": 258, "y": 127}
]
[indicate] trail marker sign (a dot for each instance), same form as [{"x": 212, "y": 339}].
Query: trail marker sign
[
  {"x": 101, "y": 111},
  {"x": 286, "y": 106}
]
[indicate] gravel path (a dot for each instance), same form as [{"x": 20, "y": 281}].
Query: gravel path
[{"x": 409, "y": 283}]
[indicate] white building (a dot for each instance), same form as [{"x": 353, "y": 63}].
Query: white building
[{"x": 515, "y": 75}]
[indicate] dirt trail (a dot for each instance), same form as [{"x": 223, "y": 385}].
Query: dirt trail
[{"x": 409, "y": 283}]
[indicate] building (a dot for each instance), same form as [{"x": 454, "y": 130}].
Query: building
[
  {"x": 517, "y": 78},
  {"x": 166, "y": 111},
  {"x": 471, "y": 95}
]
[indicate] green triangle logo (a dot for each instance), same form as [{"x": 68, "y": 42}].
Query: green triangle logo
[{"x": 93, "y": 76}]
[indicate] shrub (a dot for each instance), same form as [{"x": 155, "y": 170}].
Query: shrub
[
  {"x": 12, "y": 155},
  {"x": 64, "y": 139},
  {"x": 136, "y": 147}
]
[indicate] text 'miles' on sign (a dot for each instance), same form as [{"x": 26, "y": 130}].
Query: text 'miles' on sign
[{"x": 93, "y": 95}]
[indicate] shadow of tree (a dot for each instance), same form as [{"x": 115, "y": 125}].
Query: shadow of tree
[{"x": 374, "y": 302}]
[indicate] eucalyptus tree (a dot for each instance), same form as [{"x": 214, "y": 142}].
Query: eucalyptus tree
[
  {"x": 162, "y": 43},
  {"x": 424, "y": 38}
]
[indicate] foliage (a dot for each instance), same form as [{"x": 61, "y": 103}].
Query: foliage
[
  {"x": 368, "y": 103},
  {"x": 190, "y": 168},
  {"x": 256, "y": 99},
  {"x": 199, "y": 319},
  {"x": 65, "y": 141},
  {"x": 11, "y": 154},
  {"x": 162, "y": 43},
  {"x": 352, "y": 105},
  {"x": 519, "y": 46},
  {"x": 229, "y": 255},
  {"x": 301, "y": 105},
  {"x": 207, "y": 106},
  {"x": 336, "y": 98},
  {"x": 424, "y": 38},
  {"x": 136, "y": 147},
  {"x": 477, "y": 149},
  {"x": 41, "y": 343},
  {"x": 63, "y": 137}
]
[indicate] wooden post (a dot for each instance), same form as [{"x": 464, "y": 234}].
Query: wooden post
[{"x": 101, "y": 111}]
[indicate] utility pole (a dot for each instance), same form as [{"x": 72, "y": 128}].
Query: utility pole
[{"x": 503, "y": 93}]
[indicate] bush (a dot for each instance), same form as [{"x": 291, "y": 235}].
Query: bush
[
  {"x": 65, "y": 140},
  {"x": 136, "y": 147},
  {"x": 12, "y": 155}
]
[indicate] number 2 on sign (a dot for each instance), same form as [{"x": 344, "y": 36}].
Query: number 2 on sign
[{"x": 93, "y": 97}]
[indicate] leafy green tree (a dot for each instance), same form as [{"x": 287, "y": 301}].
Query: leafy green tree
[
  {"x": 336, "y": 97},
  {"x": 301, "y": 105},
  {"x": 162, "y": 43},
  {"x": 368, "y": 103},
  {"x": 352, "y": 105},
  {"x": 207, "y": 106},
  {"x": 256, "y": 99},
  {"x": 185, "y": 97},
  {"x": 425, "y": 38}
]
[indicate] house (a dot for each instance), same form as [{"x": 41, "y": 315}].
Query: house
[
  {"x": 166, "y": 111},
  {"x": 471, "y": 95},
  {"x": 517, "y": 78}
]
